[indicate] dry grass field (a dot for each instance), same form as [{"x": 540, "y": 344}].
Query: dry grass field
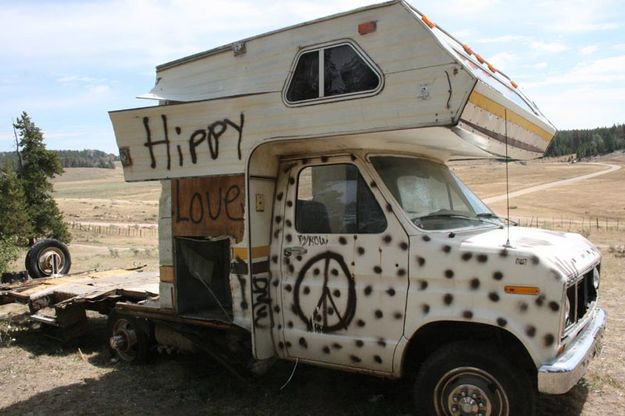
[{"x": 41, "y": 375}]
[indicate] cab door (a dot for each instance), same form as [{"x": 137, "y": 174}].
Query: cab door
[{"x": 343, "y": 267}]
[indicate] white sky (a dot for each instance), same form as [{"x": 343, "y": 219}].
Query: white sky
[{"x": 69, "y": 62}]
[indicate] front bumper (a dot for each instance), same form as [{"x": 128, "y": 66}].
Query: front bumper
[{"x": 561, "y": 375}]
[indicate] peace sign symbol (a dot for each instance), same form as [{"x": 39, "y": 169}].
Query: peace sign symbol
[{"x": 329, "y": 315}]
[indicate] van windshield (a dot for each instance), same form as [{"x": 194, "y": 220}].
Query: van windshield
[{"x": 432, "y": 196}]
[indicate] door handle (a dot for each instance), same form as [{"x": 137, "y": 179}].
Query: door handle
[{"x": 297, "y": 251}]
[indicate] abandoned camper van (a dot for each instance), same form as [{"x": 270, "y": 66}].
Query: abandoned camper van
[{"x": 307, "y": 211}]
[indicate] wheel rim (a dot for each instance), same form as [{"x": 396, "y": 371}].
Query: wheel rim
[
  {"x": 467, "y": 391},
  {"x": 51, "y": 261},
  {"x": 124, "y": 339}
]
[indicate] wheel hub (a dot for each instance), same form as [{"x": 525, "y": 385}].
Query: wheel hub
[
  {"x": 124, "y": 339},
  {"x": 51, "y": 261},
  {"x": 469, "y": 391}
]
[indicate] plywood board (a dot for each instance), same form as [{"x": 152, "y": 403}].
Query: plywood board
[{"x": 209, "y": 206}]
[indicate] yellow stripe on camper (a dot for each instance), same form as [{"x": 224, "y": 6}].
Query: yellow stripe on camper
[
  {"x": 241, "y": 252},
  {"x": 499, "y": 110}
]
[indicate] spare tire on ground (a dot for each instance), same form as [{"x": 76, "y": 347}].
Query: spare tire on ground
[{"x": 48, "y": 257}]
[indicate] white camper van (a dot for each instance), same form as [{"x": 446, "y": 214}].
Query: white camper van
[{"x": 306, "y": 207}]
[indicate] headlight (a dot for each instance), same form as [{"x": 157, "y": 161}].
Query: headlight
[{"x": 596, "y": 277}]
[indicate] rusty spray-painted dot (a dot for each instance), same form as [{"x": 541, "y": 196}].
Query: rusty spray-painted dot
[
  {"x": 276, "y": 233},
  {"x": 373, "y": 184},
  {"x": 288, "y": 287},
  {"x": 354, "y": 359},
  {"x": 306, "y": 290},
  {"x": 324, "y": 159},
  {"x": 446, "y": 248},
  {"x": 276, "y": 309},
  {"x": 291, "y": 268},
  {"x": 377, "y": 359},
  {"x": 391, "y": 291},
  {"x": 377, "y": 269},
  {"x": 530, "y": 330},
  {"x": 275, "y": 282},
  {"x": 381, "y": 342},
  {"x": 288, "y": 344},
  {"x": 540, "y": 300},
  {"x": 426, "y": 238},
  {"x": 467, "y": 314},
  {"x": 360, "y": 323},
  {"x": 497, "y": 275},
  {"x": 289, "y": 238},
  {"x": 289, "y": 324},
  {"x": 289, "y": 203},
  {"x": 279, "y": 196},
  {"x": 316, "y": 271},
  {"x": 482, "y": 258},
  {"x": 352, "y": 157},
  {"x": 425, "y": 308},
  {"x": 244, "y": 305},
  {"x": 554, "y": 306},
  {"x": 387, "y": 238},
  {"x": 448, "y": 299},
  {"x": 449, "y": 274},
  {"x": 342, "y": 240},
  {"x": 389, "y": 208},
  {"x": 535, "y": 260},
  {"x": 274, "y": 259},
  {"x": 379, "y": 314},
  {"x": 368, "y": 290},
  {"x": 401, "y": 272},
  {"x": 334, "y": 272},
  {"x": 474, "y": 283},
  {"x": 281, "y": 345},
  {"x": 336, "y": 293},
  {"x": 326, "y": 349},
  {"x": 403, "y": 245},
  {"x": 336, "y": 346},
  {"x": 549, "y": 339},
  {"x": 398, "y": 315},
  {"x": 493, "y": 296},
  {"x": 359, "y": 343},
  {"x": 503, "y": 253},
  {"x": 423, "y": 284},
  {"x": 502, "y": 322},
  {"x": 360, "y": 250},
  {"x": 288, "y": 223},
  {"x": 523, "y": 306},
  {"x": 466, "y": 256},
  {"x": 303, "y": 343},
  {"x": 292, "y": 180},
  {"x": 421, "y": 261},
  {"x": 298, "y": 258}
]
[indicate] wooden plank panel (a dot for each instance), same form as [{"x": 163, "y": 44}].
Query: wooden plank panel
[{"x": 209, "y": 206}]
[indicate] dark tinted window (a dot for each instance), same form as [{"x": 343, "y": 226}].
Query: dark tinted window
[
  {"x": 346, "y": 72},
  {"x": 334, "y": 199},
  {"x": 305, "y": 82}
]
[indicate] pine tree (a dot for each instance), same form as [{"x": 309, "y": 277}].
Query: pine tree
[
  {"x": 14, "y": 223},
  {"x": 39, "y": 165}
]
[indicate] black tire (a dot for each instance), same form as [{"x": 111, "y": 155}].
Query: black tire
[
  {"x": 47, "y": 256},
  {"x": 465, "y": 374},
  {"x": 136, "y": 345}
]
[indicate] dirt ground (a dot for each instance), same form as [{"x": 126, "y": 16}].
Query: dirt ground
[{"x": 41, "y": 375}]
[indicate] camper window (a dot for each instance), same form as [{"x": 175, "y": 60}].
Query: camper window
[
  {"x": 334, "y": 199},
  {"x": 329, "y": 72}
]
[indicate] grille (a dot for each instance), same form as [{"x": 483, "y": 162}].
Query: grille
[{"x": 581, "y": 295}]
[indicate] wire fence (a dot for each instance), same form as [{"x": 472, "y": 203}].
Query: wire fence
[
  {"x": 116, "y": 229},
  {"x": 572, "y": 223}
]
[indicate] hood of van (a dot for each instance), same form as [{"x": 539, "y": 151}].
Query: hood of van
[{"x": 567, "y": 253}]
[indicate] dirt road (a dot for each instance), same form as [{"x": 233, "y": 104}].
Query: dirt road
[{"x": 610, "y": 168}]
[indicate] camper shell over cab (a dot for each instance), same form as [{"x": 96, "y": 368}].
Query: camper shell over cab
[{"x": 305, "y": 200}]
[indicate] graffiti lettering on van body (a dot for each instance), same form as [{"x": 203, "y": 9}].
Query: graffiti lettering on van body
[
  {"x": 212, "y": 135},
  {"x": 312, "y": 240},
  {"x": 261, "y": 301}
]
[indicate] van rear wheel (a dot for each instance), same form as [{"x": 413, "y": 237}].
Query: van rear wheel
[{"x": 471, "y": 378}]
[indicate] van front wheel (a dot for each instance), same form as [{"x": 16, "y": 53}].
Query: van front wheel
[{"x": 470, "y": 378}]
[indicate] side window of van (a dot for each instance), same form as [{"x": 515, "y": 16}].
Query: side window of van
[
  {"x": 334, "y": 199},
  {"x": 329, "y": 72}
]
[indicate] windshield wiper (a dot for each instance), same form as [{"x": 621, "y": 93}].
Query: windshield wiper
[
  {"x": 493, "y": 216},
  {"x": 447, "y": 215}
]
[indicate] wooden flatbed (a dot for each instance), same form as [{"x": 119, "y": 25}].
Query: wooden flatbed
[{"x": 62, "y": 302}]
